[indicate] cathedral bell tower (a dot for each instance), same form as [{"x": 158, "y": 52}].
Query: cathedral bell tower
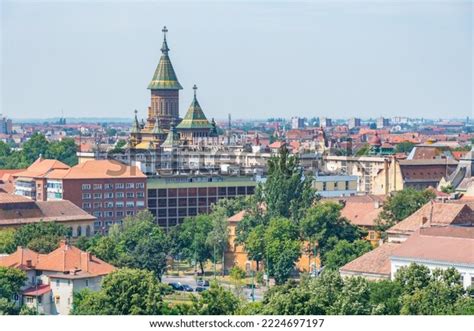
[{"x": 164, "y": 89}]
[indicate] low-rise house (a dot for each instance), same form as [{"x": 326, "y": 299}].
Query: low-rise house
[
  {"x": 374, "y": 265},
  {"x": 53, "y": 278},
  {"x": 438, "y": 248},
  {"x": 432, "y": 214},
  {"x": 16, "y": 211},
  {"x": 363, "y": 211}
]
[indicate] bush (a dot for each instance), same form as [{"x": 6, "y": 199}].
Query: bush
[{"x": 236, "y": 273}]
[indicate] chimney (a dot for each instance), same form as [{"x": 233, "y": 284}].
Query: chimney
[{"x": 85, "y": 259}]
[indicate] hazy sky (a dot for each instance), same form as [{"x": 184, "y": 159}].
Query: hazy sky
[{"x": 250, "y": 59}]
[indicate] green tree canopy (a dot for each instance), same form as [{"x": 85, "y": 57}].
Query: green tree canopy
[
  {"x": 42, "y": 237},
  {"x": 215, "y": 301},
  {"x": 400, "y": 205},
  {"x": 344, "y": 252},
  {"x": 282, "y": 248},
  {"x": 124, "y": 292}
]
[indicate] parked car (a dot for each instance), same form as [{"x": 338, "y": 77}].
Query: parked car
[
  {"x": 176, "y": 286},
  {"x": 187, "y": 288},
  {"x": 200, "y": 289},
  {"x": 202, "y": 282}
]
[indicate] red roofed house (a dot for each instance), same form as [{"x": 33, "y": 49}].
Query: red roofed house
[
  {"x": 438, "y": 248},
  {"x": 107, "y": 189},
  {"x": 53, "y": 278}
]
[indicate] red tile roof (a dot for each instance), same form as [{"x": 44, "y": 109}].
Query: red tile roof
[
  {"x": 435, "y": 213},
  {"x": 66, "y": 259},
  {"x": 449, "y": 244},
  {"x": 375, "y": 262},
  {"x": 41, "y": 167},
  {"x": 37, "y": 290},
  {"x": 97, "y": 169}
]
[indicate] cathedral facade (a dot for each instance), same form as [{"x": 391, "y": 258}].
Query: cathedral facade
[{"x": 163, "y": 125}]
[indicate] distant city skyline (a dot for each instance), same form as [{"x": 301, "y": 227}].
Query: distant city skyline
[{"x": 253, "y": 60}]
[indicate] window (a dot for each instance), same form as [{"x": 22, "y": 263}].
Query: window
[
  {"x": 108, "y": 195},
  {"x": 130, "y": 204},
  {"x": 119, "y": 195},
  {"x": 130, "y": 195},
  {"x": 97, "y": 204},
  {"x": 86, "y": 205},
  {"x": 347, "y": 185},
  {"x": 130, "y": 185},
  {"x": 140, "y": 194},
  {"x": 324, "y": 186},
  {"x": 140, "y": 185},
  {"x": 108, "y": 213},
  {"x": 87, "y": 282},
  {"x": 86, "y": 187},
  {"x": 57, "y": 282},
  {"x": 109, "y": 204},
  {"x": 119, "y": 214},
  {"x": 372, "y": 235},
  {"x": 97, "y": 186},
  {"x": 140, "y": 203},
  {"x": 119, "y": 204},
  {"x": 97, "y": 195},
  {"x": 29, "y": 299},
  {"x": 86, "y": 196},
  {"x": 108, "y": 186},
  {"x": 97, "y": 214},
  {"x": 130, "y": 213},
  {"x": 119, "y": 186}
]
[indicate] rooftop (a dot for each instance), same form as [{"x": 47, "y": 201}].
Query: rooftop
[
  {"x": 181, "y": 182},
  {"x": 66, "y": 259},
  {"x": 376, "y": 262},
  {"x": 448, "y": 244}
]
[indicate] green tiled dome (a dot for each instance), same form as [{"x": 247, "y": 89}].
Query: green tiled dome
[
  {"x": 194, "y": 118},
  {"x": 164, "y": 77}
]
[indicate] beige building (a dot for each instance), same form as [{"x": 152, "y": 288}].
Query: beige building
[{"x": 366, "y": 168}]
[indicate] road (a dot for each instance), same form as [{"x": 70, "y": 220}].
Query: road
[{"x": 191, "y": 281}]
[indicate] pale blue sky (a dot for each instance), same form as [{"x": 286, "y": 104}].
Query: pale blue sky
[{"x": 251, "y": 59}]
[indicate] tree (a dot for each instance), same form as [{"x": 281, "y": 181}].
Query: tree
[
  {"x": 255, "y": 245},
  {"x": 139, "y": 244},
  {"x": 42, "y": 237},
  {"x": 215, "y": 301},
  {"x": 282, "y": 248},
  {"x": 439, "y": 296},
  {"x": 217, "y": 239},
  {"x": 7, "y": 241},
  {"x": 11, "y": 281},
  {"x": 64, "y": 151},
  {"x": 344, "y": 252},
  {"x": 413, "y": 277},
  {"x": 404, "y": 147},
  {"x": 385, "y": 297},
  {"x": 400, "y": 205},
  {"x": 287, "y": 192},
  {"x": 354, "y": 298},
  {"x": 237, "y": 273},
  {"x": 191, "y": 239},
  {"x": 323, "y": 227},
  {"x": 34, "y": 147},
  {"x": 124, "y": 292}
]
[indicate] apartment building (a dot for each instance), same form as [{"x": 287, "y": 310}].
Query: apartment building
[
  {"x": 107, "y": 189},
  {"x": 328, "y": 185}
]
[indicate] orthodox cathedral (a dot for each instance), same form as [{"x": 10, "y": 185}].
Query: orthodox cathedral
[{"x": 163, "y": 126}]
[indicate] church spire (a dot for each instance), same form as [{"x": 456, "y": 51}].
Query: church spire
[
  {"x": 164, "y": 48},
  {"x": 164, "y": 78}
]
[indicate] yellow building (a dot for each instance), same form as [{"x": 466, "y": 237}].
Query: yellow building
[{"x": 235, "y": 254}]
